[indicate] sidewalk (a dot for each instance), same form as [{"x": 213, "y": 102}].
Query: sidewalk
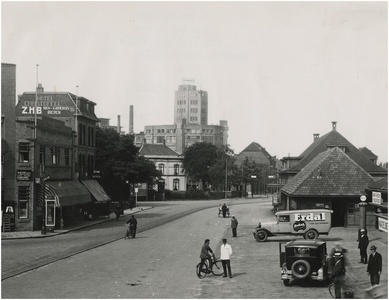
[{"x": 77, "y": 226}]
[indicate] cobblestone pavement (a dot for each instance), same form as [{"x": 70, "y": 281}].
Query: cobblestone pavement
[{"x": 160, "y": 263}]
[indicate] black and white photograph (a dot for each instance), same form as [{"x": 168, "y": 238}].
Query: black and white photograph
[{"x": 194, "y": 149}]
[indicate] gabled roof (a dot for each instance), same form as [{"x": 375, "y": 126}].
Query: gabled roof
[
  {"x": 368, "y": 153},
  {"x": 157, "y": 150},
  {"x": 332, "y": 139},
  {"x": 330, "y": 173},
  {"x": 381, "y": 184},
  {"x": 255, "y": 147}
]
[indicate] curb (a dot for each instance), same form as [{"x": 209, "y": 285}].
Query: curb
[{"x": 27, "y": 234}]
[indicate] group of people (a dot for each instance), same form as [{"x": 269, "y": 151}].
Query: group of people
[
  {"x": 374, "y": 262},
  {"x": 206, "y": 254}
]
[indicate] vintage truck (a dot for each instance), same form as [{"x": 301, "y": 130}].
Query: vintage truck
[{"x": 307, "y": 223}]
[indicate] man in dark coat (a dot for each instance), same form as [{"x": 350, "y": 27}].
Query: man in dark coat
[
  {"x": 363, "y": 242},
  {"x": 338, "y": 273},
  {"x": 374, "y": 266},
  {"x": 132, "y": 223},
  {"x": 224, "y": 210},
  {"x": 234, "y": 226}
]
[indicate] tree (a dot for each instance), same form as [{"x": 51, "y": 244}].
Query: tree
[
  {"x": 223, "y": 167},
  {"x": 119, "y": 160},
  {"x": 198, "y": 158}
]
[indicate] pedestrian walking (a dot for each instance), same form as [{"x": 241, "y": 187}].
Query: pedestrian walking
[
  {"x": 338, "y": 273},
  {"x": 224, "y": 210},
  {"x": 234, "y": 226},
  {"x": 132, "y": 224},
  {"x": 374, "y": 266},
  {"x": 225, "y": 256},
  {"x": 363, "y": 242}
]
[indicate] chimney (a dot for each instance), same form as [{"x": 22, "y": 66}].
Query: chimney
[
  {"x": 118, "y": 128},
  {"x": 131, "y": 129},
  {"x": 315, "y": 136},
  {"x": 40, "y": 89},
  {"x": 333, "y": 125}
]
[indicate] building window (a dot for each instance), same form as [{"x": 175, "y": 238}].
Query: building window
[
  {"x": 176, "y": 169},
  {"x": 42, "y": 154},
  {"x": 24, "y": 152},
  {"x": 351, "y": 208},
  {"x": 161, "y": 168},
  {"x": 176, "y": 184},
  {"x": 67, "y": 157},
  {"x": 55, "y": 155},
  {"x": 23, "y": 197}
]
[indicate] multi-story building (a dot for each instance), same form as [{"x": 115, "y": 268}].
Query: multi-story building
[
  {"x": 191, "y": 104},
  {"x": 69, "y": 141},
  {"x": 190, "y": 123},
  {"x": 8, "y": 143}
]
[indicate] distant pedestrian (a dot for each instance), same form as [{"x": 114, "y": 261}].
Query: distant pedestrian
[
  {"x": 225, "y": 256},
  {"x": 234, "y": 226},
  {"x": 224, "y": 210},
  {"x": 374, "y": 266},
  {"x": 338, "y": 273},
  {"x": 363, "y": 242},
  {"x": 132, "y": 224},
  {"x": 117, "y": 212}
]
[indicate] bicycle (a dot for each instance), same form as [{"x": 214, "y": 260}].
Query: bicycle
[{"x": 216, "y": 269}]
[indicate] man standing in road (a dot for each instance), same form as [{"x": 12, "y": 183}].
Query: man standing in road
[
  {"x": 363, "y": 242},
  {"x": 132, "y": 224},
  {"x": 374, "y": 266},
  {"x": 234, "y": 226},
  {"x": 224, "y": 210},
  {"x": 225, "y": 255},
  {"x": 338, "y": 274}
]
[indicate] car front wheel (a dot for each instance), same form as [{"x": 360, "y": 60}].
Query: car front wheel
[
  {"x": 301, "y": 269},
  {"x": 261, "y": 236}
]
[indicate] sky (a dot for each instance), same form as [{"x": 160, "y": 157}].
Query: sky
[{"x": 278, "y": 72}]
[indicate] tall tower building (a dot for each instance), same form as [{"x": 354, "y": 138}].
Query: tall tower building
[
  {"x": 131, "y": 128},
  {"x": 190, "y": 104}
]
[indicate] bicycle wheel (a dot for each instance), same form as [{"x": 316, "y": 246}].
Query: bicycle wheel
[
  {"x": 331, "y": 289},
  {"x": 217, "y": 268},
  {"x": 201, "y": 270}
]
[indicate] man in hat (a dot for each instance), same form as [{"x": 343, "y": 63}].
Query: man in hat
[
  {"x": 234, "y": 226},
  {"x": 338, "y": 273},
  {"x": 363, "y": 242},
  {"x": 374, "y": 266},
  {"x": 225, "y": 255}
]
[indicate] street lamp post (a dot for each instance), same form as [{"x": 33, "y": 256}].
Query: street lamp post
[{"x": 225, "y": 194}]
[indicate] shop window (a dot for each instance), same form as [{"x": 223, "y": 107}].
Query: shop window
[
  {"x": 24, "y": 152},
  {"x": 161, "y": 167},
  {"x": 176, "y": 184},
  {"x": 23, "y": 197}
]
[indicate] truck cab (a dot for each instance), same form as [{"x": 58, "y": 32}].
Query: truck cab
[{"x": 308, "y": 223}]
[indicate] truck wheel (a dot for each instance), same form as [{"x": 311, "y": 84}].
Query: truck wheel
[
  {"x": 311, "y": 234},
  {"x": 261, "y": 236},
  {"x": 286, "y": 282},
  {"x": 301, "y": 269}
]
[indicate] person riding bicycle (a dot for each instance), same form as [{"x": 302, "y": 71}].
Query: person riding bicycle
[{"x": 204, "y": 254}]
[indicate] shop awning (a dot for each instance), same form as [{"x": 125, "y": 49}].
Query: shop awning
[
  {"x": 96, "y": 190},
  {"x": 69, "y": 192}
]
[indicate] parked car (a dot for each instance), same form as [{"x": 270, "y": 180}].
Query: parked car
[
  {"x": 307, "y": 223},
  {"x": 304, "y": 260}
]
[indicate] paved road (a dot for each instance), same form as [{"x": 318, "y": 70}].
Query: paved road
[
  {"x": 33, "y": 253},
  {"x": 160, "y": 263}
]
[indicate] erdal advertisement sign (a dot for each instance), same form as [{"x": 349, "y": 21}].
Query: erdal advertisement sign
[{"x": 50, "y": 105}]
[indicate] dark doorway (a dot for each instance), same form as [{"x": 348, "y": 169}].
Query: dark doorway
[{"x": 339, "y": 213}]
